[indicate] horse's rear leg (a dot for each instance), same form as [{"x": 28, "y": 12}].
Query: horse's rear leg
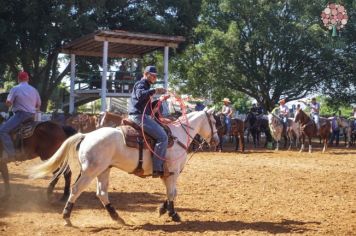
[
  {"x": 168, "y": 205},
  {"x": 5, "y": 175},
  {"x": 67, "y": 178},
  {"x": 103, "y": 195},
  {"x": 67, "y": 181},
  {"x": 82, "y": 182}
]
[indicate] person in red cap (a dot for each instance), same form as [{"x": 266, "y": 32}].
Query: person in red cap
[{"x": 24, "y": 100}]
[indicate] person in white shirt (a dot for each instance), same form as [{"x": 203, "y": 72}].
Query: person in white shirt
[
  {"x": 283, "y": 112},
  {"x": 25, "y": 101},
  {"x": 227, "y": 111},
  {"x": 314, "y": 111}
]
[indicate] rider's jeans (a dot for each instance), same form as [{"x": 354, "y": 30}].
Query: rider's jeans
[
  {"x": 228, "y": 125},
  {"x": 316, "y": 120},
  {"x": 152, "y": 128},
  {"x": 10, "y": 125}
]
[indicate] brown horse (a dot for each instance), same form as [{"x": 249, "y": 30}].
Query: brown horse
[
  {"x": 44, "y": 141},
  {"x": 309, "y": 129},
  {"x": 237, "y": 131}
]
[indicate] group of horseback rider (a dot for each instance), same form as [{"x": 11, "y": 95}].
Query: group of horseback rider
[{"x": 284, "y": 111}]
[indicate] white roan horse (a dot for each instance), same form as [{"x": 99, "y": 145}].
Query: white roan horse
[
  {"x": 276, "y": 126},
  {"x": 105, "y": 147}
]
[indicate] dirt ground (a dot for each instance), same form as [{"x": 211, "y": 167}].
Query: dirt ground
[{"x": 260, "y": 192}]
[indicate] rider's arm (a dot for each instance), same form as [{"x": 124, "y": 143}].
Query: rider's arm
[
  {"x": 38, "y": 101},
  {"x": 10, "y": 98},
  {"x": 142, "y": 93},
  {"x": 8, "y": 103}
]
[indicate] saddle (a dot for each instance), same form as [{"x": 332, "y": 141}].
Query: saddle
[
  {"x": 134, "y": 138},
  {"x": 133, "y": 135},
  {"x": 25, "y": 130}
]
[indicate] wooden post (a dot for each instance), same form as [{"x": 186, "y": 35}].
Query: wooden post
[
  {"x": 166, "y": 50},
  {"x": 72, "y": 78},
  {"x": 104, "y": 76}
]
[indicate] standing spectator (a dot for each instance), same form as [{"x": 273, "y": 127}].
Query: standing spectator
[{"x": 335, "y": 130}]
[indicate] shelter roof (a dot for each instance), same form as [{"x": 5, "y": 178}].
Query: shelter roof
[{"x": 121, "y": 43}]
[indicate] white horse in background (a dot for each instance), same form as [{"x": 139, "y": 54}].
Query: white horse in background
[
  {"x": 104, "y": 148},
  {"x": 291, "y": 133}
]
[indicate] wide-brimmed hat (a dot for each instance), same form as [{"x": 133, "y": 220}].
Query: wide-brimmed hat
[{"x": 226, "y": 100}]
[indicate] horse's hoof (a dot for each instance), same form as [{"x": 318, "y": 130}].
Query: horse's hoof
[
  {"x": 162, "y": 210},
  {"x": 176, "y": 218},
  {"x": 68, "y": 223},
  {"x": 120, "y": 221}
]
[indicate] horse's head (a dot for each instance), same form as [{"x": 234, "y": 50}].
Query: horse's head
[
  {"x": 209, "y": 132},
  {"x": 220, "y": 122},
  {"x": 301, "y": 117},
  {"x": 250, "y": 118}
]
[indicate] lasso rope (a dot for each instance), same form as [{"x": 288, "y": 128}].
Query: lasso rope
[{"x": 165, "y": 121}]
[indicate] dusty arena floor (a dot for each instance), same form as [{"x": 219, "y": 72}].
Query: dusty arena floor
[{"x": 257, "y": 193}]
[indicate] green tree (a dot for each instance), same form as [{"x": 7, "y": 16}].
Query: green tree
[
  {"x": 264, "y": 49},
  {"x": 340, "y": 83},
  {"x": 32, "y": 31}
]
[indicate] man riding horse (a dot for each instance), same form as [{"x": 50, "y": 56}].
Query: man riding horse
[
  {"x": 24, "y": 100},
  {"x": 283, "y": 113},
  {"x": 314, "y": 112},
  {"x": 140, "y": 113}
]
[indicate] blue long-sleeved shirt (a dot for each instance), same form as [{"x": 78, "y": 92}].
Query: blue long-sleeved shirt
[{"x": 140, "y": 96}]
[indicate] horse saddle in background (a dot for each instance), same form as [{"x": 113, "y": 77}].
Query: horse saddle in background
[
  {"x": 134, "y": 138},
  {"x": 25, "y": 130}
]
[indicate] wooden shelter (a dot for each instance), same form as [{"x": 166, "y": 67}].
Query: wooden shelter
[{"x": 116, "y": 44}]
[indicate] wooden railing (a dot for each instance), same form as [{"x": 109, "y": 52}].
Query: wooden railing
[{"x": 117, "y": 82}]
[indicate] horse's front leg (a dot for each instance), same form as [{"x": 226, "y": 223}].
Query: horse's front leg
[
  {"x": 242, "y": 141},
  {"x": 237, "y": 142},
  {"x": 325, "y": 144},
  {"x": 103, "y": 195},
  {"x": 310, "y": 144},
  {"x": 171, "y": 191},
  {"x": 5, "y": 175},
  {"x": 302, "y": 144},
  {"x": 277, "y": 145}
]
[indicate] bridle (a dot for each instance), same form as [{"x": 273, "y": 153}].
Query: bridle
[{"x": 194, "y": 140}]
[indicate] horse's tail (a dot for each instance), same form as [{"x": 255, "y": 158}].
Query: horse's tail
[{"x": 59, "y": 158}]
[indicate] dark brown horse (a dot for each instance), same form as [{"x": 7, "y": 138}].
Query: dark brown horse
[
  {"x": 237, "y": 131},
  {"x": 257, "y": 124},
  {"x": 46, "y": 138},
  {"x": 308, "y": 129}
]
